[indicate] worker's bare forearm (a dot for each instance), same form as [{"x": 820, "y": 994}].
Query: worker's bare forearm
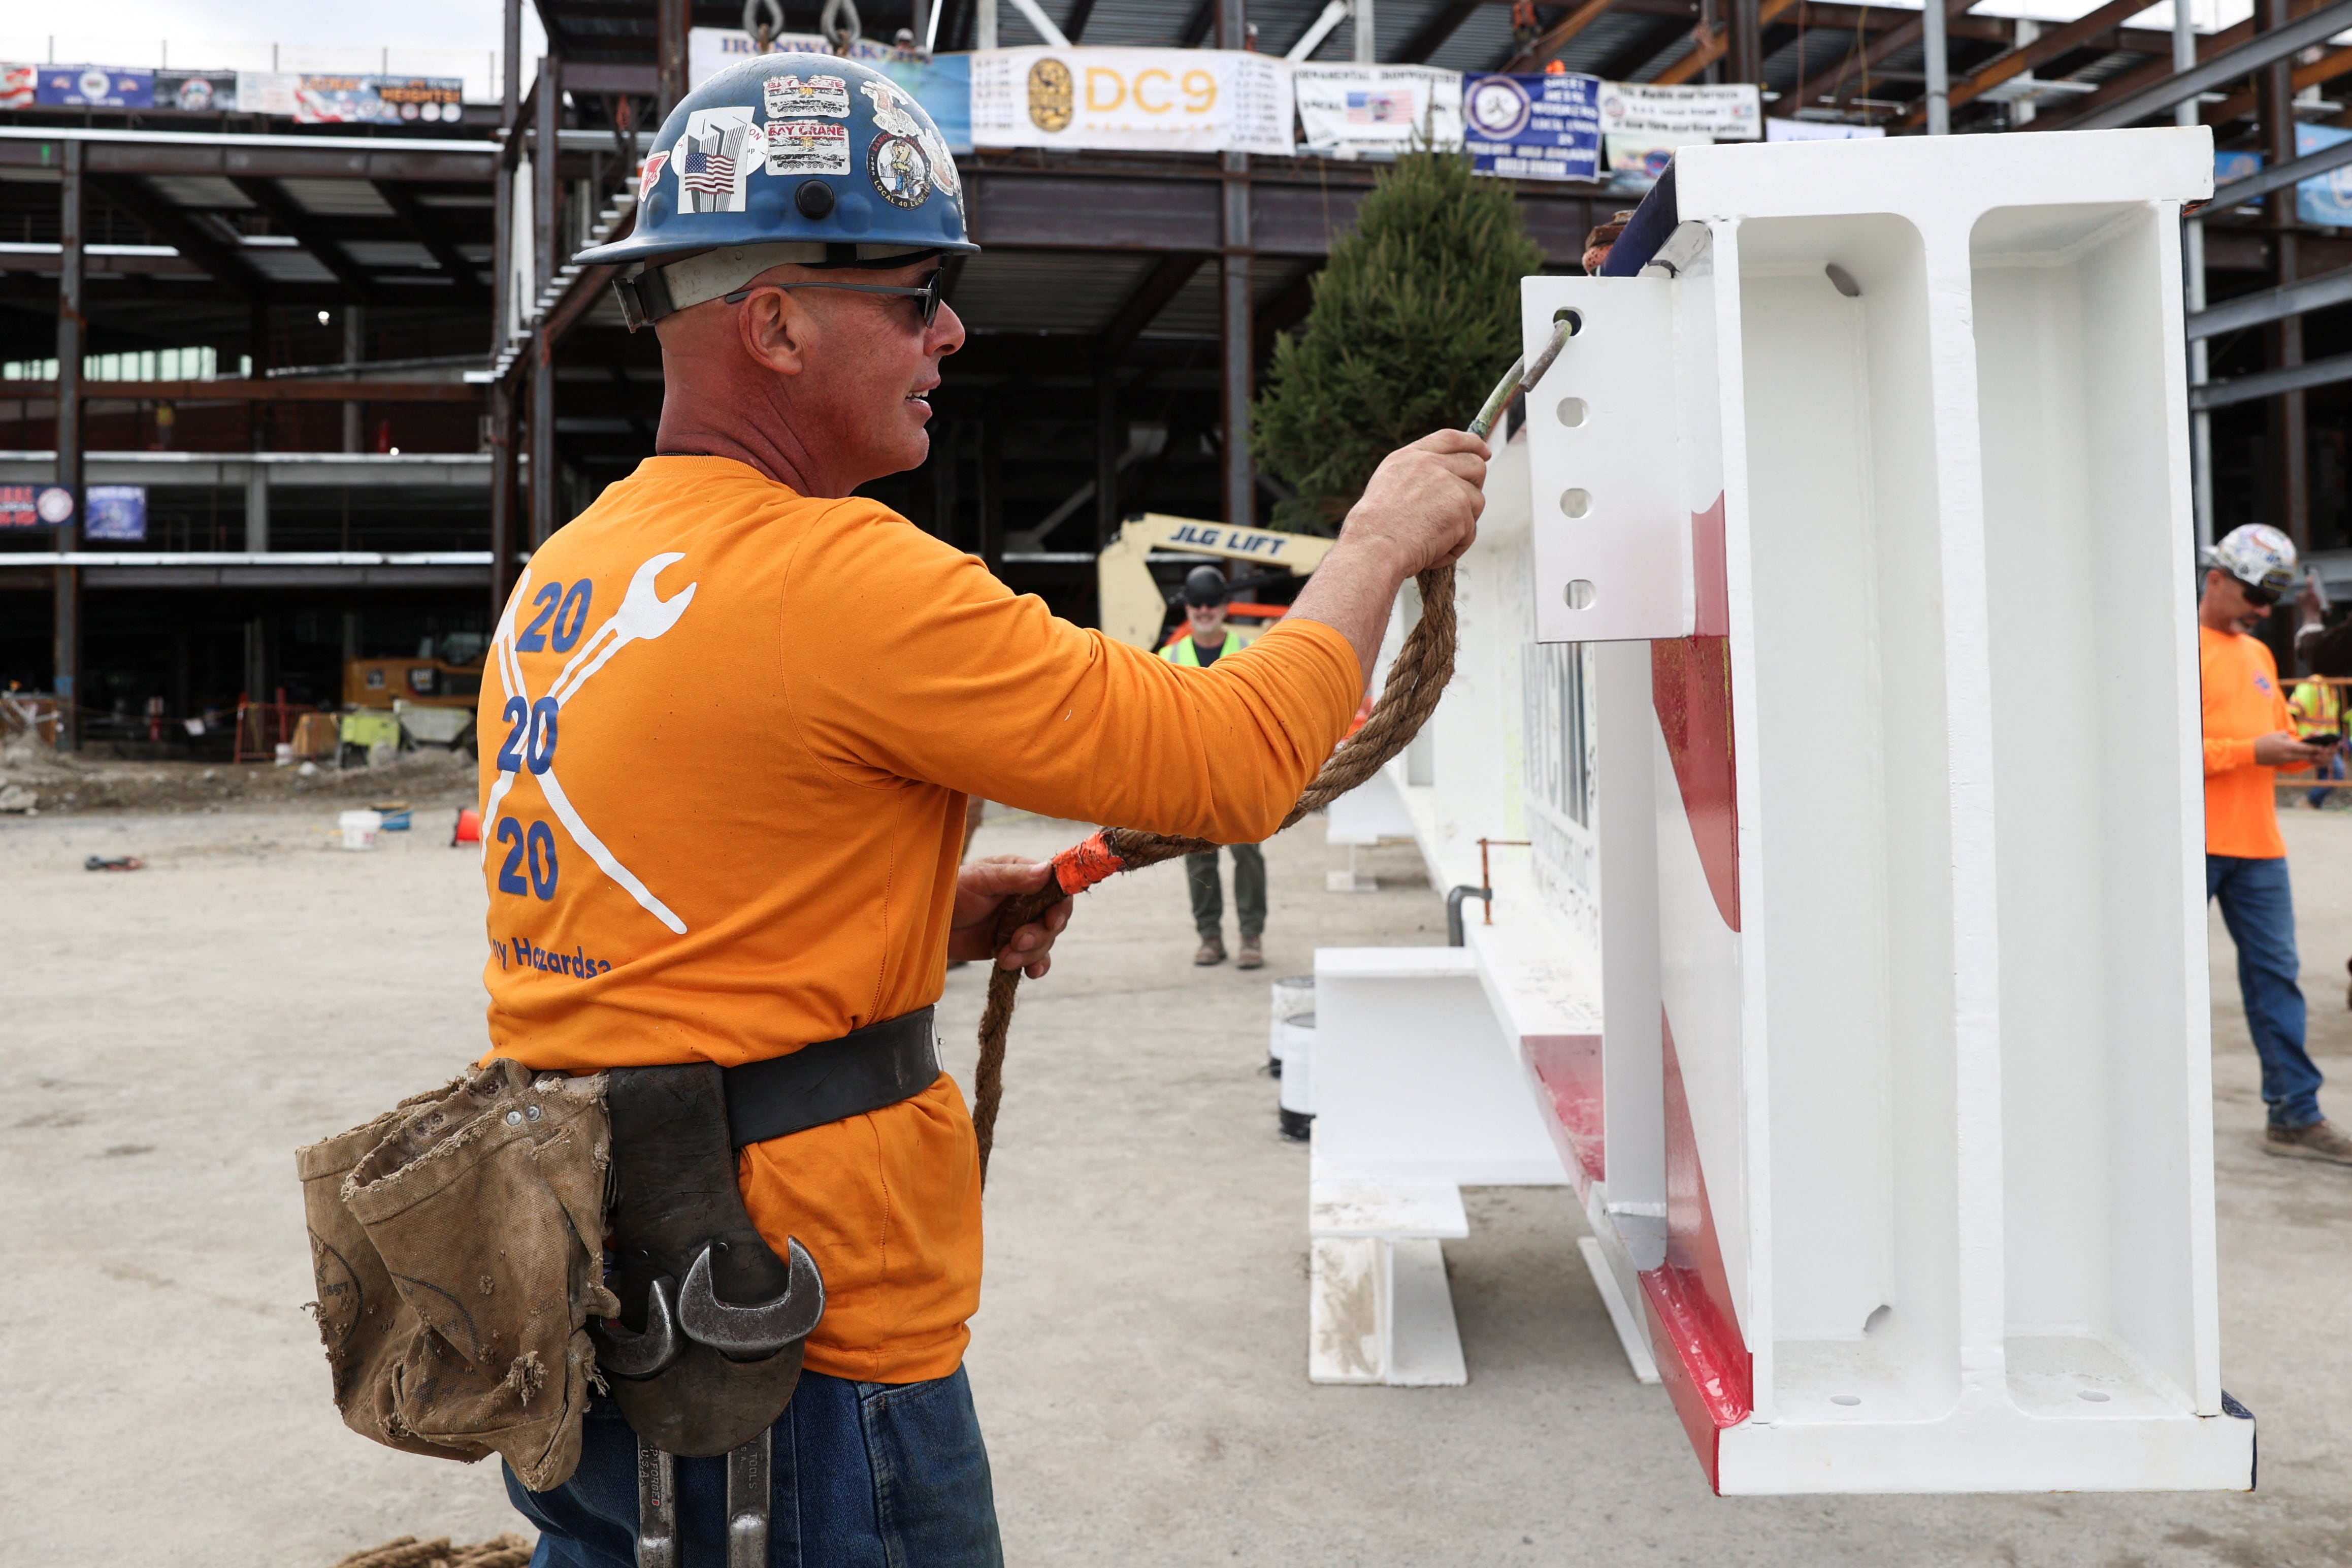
[
  {"x": 1352, "y": 592},
  {"x": 1421, "y": 510}
]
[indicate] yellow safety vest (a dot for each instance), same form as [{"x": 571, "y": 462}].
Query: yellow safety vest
[{"x": 1181, "y": 650}]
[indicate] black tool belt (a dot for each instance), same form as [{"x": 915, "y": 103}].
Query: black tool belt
[{"x": 707, "y": 1349}]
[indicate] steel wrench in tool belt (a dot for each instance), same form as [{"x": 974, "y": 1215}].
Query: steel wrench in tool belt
[{"x": 707, "y": 1349}]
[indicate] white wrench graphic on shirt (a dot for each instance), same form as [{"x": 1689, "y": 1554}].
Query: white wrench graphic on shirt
[{"x": 643, "y": 615}]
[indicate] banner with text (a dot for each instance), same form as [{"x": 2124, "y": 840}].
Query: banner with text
[
  {"x": 377, "y": 100},
  {"x": 1349, "y": 111},
  {"x": 1533, "y": 127},
  {"x": 1157, "y": 101},
  {"x": 1732, "y": 112},
  {"x": 94, "y": 87}
]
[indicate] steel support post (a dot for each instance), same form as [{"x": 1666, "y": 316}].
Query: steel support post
[
  {"x": 72, "y": 341},
  {"x": 1747, "y": 52},
  {"x": 2192, "y": 276},
  {"x": 1237, "y": 339},
  {"x": 2290, "y": 437},
  {"x": 983, "y": 28},
  {"x": 1363, "y": 33},
  {"x": 671, "y": 20},
  {"x": 354, "y": 351},
  {"x": 1107, "y": 446},
  {"x": 991, "y": 496},
  {"x": 1236, "y": 344},
  {"x": 1936, "y": 62},
  {"x": 542, "y": 481},
  {"x": 546, "y": 189},
  {"x": 502, "y": 496}
]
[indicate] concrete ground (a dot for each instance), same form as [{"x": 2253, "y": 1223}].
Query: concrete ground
[{"x": 167, "y": 1038}]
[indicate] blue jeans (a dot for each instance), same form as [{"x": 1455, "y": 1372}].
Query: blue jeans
[
  {"x": 862, "y": 1475},
  {"x": 2258, "y": 906}
]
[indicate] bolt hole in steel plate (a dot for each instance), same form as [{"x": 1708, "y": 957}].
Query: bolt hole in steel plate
[
  {"x": 1575, "y": 319},
  {"x": 1576, "y": 503},
  {"x": 1841, "y": 280},
  {"x": 1574, "y": 412},
  {"x": 1845, "y": 1399},
  {"x": 1581, "y": 595},
  {"x": 2093, "y": 1394}
]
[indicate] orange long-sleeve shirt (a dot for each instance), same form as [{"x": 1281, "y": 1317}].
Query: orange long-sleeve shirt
[
  {"x": 2243, "y": 704},
  {"x": 728, "y": 732}
]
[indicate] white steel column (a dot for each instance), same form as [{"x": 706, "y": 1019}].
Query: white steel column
[
  {"x": 1366, "y": 36},
  {"x": 1938, "y": 68}
]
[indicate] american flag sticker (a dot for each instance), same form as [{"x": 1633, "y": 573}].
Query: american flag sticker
[
  {"x": 713, "y": 158},
  {"x": 808, "y": 147}
]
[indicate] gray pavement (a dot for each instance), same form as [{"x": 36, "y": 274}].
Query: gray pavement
[{"x": 167, "y": 1038}]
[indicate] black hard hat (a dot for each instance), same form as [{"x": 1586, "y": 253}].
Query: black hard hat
[{"x": 1205, "y": 585}]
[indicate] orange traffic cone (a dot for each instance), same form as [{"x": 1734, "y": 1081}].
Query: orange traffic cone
[{"x": 468, "y": 829}]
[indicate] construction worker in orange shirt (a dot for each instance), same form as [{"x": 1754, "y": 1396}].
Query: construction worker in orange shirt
[
  {"x": 2249, "y": 737},
  {"x": 1208, "y": 637},
  {"x": 736, "y": 714}
]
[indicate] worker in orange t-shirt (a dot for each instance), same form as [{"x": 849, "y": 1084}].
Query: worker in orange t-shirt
[
  {"x": 2249, "y": 736},
  {"x": 732, "y": 717}
]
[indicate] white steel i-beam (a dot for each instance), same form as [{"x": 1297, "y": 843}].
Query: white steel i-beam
[{"x": 1849, "y": 468}]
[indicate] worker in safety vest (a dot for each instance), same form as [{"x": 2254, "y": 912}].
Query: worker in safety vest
[
  {"x": 2318, "y": 707},
  {"x": 2249, "y": 737},
  {"x": 732, "y": 716},
  {"x": 1208, "y": 638}
]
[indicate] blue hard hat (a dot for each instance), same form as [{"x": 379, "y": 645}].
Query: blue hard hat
[{"x": 785, "y": 158}]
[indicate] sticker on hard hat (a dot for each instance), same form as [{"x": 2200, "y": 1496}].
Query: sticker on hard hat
[
  {"x": 713, "y": 159},
  {"x": 790, "y": 97},
  {"x": 943, "y": 166},
  {"x": 808, "y": 147},
  {"x": 886, "y": 116},
  {"x": 652, "y": 173},
  {"x": 900, "y": 170}
]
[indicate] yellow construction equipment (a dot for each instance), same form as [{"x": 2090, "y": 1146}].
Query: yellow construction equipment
[{"x": 1134, "y": 607}]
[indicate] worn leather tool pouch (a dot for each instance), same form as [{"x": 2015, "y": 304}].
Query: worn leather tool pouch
[
  {"x": 456, "y": 1246},
  {"x": 712, "y": 1322}
]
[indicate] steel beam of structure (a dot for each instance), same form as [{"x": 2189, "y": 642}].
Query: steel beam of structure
[
  {"x": 2264, "y": 383},
  {"x": 1443, "y": 24},
  {"x": 72, "y": 339},
  {"x": 2048, "y": 47},
  {"x": 2239, "y": 192},
  {"x": 1556, "y": 37},
  {"x": 672, "y": 20},
  {"x": 192, "y": 239},
  {"x": 309, "y": 232},
  {"x": 1151, "y": 296},
  {"x": 274, "y": 158},
  {"x": 2295, "y": 299},
  {"x": 2278, "y": 43},
  {"x": 249, "y": 390},
  {"x": 1882, "y": 47},
  {"x": 418, "y": 220}
]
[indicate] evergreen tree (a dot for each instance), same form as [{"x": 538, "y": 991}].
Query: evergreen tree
[{"x": 1414, "y": 317}]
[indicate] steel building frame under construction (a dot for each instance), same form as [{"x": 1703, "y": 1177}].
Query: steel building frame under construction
[{"x": 360, "y": 378}]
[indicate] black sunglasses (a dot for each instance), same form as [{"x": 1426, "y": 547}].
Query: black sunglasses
[
  {"x": 928, "y": 293},
  {"x": 2257, "y": 595}
]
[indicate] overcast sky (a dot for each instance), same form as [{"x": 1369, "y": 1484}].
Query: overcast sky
[{"x": 201, "y": 33}]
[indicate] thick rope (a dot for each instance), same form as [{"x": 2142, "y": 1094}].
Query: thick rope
[{"x": 1415, "y": 682}]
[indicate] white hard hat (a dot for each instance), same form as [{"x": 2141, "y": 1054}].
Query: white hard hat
[{"x": 2258, "y": 555}]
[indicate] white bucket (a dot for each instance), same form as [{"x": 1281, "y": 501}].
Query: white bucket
[{"x": 360, "y": 828}]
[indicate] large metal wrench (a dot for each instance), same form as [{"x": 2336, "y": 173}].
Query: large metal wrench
[
  {"x": 747, "y": 1505},
  {"x": 656, "y": 1507}
]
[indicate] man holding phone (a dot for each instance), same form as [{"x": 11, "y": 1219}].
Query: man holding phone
[{"x": 2249, "y": 737}]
